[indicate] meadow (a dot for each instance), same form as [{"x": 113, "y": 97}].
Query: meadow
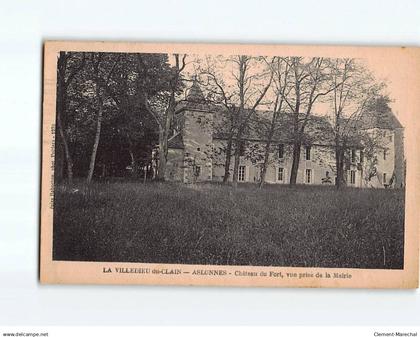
[{"x": 303, "y": 226}]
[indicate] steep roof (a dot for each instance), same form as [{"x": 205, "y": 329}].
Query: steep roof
[
  {"x": 380, "y": 119},
  {"x": 195, "y": 94},
  {"x": 318, "y": 130},
  {"x": 195, "y": 100}
]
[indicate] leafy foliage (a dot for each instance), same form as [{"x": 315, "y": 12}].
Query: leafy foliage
[{"x": 117, "y": 83}]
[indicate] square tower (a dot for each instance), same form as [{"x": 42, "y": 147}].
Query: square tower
[{"x": 191, "y": 148}]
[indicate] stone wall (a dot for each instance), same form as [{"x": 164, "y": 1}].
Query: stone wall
[
  {"x": 322, "y": 161},
  {"x": 383, "y": 160},
  {"x": 198, "y": 146}
]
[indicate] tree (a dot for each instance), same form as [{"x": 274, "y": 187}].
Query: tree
[
  {"x": 244, "y": 81},
  {"x": 102, "y": 95},
  {"x": 133, "y": 123},
  {"x": 221, "y": 95},
  {"x": 101, "y": 78},
  {"x": 162, "y": 106},
  {"x": 309, "y": 78},
  {"x": 280, "y": 69},
  {"x": 68, "y": 66},
  {"x": 250, "y": 83},
  {"x": 354, "y": 88}
]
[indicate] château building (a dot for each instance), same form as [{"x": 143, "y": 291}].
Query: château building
[{"x": 197, "y": 149}]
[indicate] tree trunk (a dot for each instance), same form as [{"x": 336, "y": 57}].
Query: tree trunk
[
  {"x": 339, "y": 163},
  {"x": 337, "y": 168},
  {"x": 61, "y": 108},
  {"x": 69, "y": 161},
  {"x": 228, "y": 159},
  {"x": 134, "y": 165},
  {"x": 96, "y": 142},
  {"x": 237, "y": 158},
  {"x": 58, "y": 159},
  {"x": 164, "y": 131},
  {"x": 236, "y": 163},
  {"x": 134, "y": 168},
  {"x": 163, "y": 143},
  {"x": 265, "y": 163},
  {"x": 296, "y": 160},
  {"x": 240, "y": 116},
  {"x": 268, "y": 145}
]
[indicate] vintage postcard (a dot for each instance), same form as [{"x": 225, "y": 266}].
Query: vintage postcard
[{"x": 230, "y": 165}]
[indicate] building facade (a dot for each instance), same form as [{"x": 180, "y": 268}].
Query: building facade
[{"x": 197, "y": 150}]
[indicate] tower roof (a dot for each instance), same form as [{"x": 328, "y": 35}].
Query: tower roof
[
  {"x": 195, "y": 100},
  {"x": 379, "y": 115},
  {"x": 195, "y": 95},
  {"x": 380, "y": 119}
]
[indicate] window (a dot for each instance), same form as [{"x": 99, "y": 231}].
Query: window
[
  {"x": 242, "y": 149},
  {"x": 352, "y": 177},
  {"x": 308, "y": 153},
  {"x": 384, "y": 178},
  {"x": 362, "y": 156},
  {"x": 281, "y": 151},
  {"x": 308, "y": 176},
  {"x": 197, "y": 171},
  {"x": 280, "y": 174},
  {"x": 353, "y": 156},
  {"x": 241, "y": 173},
  {"x": 385, "y": 154}
]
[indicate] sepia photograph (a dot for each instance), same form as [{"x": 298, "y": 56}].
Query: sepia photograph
[
  {"x": 227, "y": 160},
  {"x": 210, "y": 168}
]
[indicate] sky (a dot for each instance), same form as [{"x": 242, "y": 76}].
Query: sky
[{"x": 394, "y": 80}]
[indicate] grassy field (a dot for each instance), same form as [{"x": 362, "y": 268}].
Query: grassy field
[{"x": 214, "y": 224}]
